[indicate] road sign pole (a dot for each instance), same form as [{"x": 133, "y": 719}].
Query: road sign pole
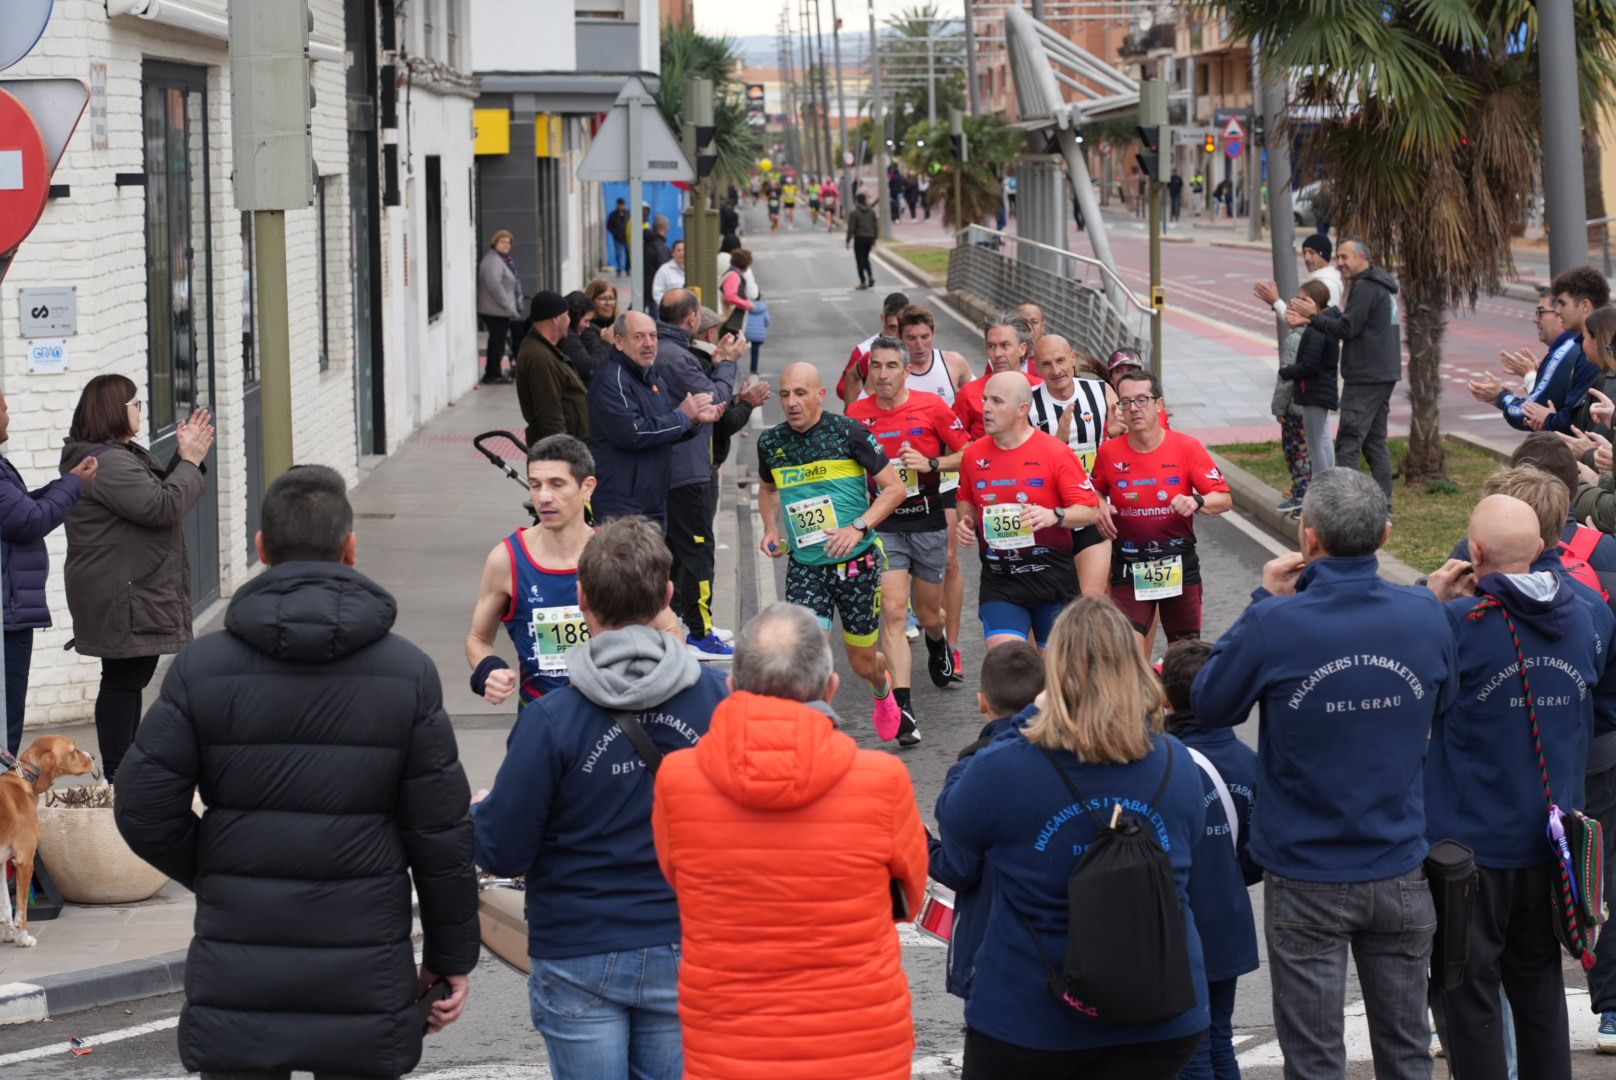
[
  {"x": 1153, "y": 112},
  {"x": 636, "y": 199},
  {"x": 1565, "y": 198}
]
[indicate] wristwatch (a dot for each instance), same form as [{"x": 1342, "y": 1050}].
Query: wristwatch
[
  {"x": 1200, "y": 500},
  {"x": 1060, "y": 516},
  {"x": 932, "y": 464},
  {"x": 861, "y": 525}
]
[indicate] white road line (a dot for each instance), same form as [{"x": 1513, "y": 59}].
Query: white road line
[
  {"x": 1234, "y": 518},
  {"x": 59, "y": 1046}
]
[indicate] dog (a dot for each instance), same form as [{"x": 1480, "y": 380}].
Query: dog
[{"x": 39, "y": 766}]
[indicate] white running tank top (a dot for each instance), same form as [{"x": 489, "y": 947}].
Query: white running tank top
[{"x": 1088, "y": 425}]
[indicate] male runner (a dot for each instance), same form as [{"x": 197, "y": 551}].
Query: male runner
[
  {"x": 1035, "y": 319},
  {"x": 1022, "y": 492},
  {"x": 1077, "y": 412},
  {"x": 817, "y": 466},
  {"x": 788, "y": 196},
  {"x": 850, "y": 387},
  {"x": 921, "y": 437},
  {"x": 1009, "y": 339},
  {"x": 1157, "y": 481}
]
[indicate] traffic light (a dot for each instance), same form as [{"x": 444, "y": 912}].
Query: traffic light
[
  {"x": 956, "y": 136},
  {"x": 1152, "y": 162},
  {"x": 1211, "y": 146},
  {"x": 699, "y": 103}
]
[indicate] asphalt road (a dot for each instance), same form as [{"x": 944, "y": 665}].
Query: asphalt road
[{"x": 808, "y": 279}]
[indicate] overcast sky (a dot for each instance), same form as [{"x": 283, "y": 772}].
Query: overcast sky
[{"x": 738, "y": 18}]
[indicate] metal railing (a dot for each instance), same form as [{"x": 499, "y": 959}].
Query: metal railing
[{"x": 1004, "y": 270}]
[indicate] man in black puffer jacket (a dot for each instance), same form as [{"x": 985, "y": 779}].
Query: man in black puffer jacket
[{"x": 318, "y": 742}]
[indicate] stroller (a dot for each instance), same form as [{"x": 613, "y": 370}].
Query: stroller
[{"x": 495, "y": 445}]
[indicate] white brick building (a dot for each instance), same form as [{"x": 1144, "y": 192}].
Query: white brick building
[{"x": 147, "y": 233}]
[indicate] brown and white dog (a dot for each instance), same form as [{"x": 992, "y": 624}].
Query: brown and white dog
[{"x": 49, "y": 757}]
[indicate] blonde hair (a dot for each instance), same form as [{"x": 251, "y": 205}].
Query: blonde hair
[
  {"x": 1545, "y": 493},
  {"x": 503, "y": 234},
  {"x": 1101, "y": 700}
]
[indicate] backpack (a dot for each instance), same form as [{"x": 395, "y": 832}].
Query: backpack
[
  {"x": 1127, "y": 948},
  {"x": 1575, "y": 554}
]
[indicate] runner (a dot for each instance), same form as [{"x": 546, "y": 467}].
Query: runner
[
  {"x": 921, "y": 437},
  {"x": 757, "y": 188},
  {"x": 828, "y": 195},
  {"x": 530, "y": 580},
  {"x": 818, "y": 465},
  {"x": 813, "y": 200},
  {"x": 773, "y": 196},
  {"x": 1035, "y": 319},
  {"x": 858, "y": 364},
  {"x": 1076, "y": 411},
  {"x": 788, "y": 198},
  {"x": 1126, "y": 362},
  {"x": 1156, "y": 481},
  {"x": 1022, "y": 492},
  {"x": 1009, "y": 339}
]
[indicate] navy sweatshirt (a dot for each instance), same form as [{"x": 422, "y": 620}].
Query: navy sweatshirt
[
  {"x": 1349, "y": 674},
  {"x": 1482, "y": 785},
  {"x": 1012, "y": 809},
  {"x": 1563, "y": 377},
  {"x": 571, "y": 809},
  {"x": 1221, "y": 872},
  {"x": 963, "y": 871}
]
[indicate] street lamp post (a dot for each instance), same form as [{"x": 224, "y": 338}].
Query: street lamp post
[{"x": 1565, "y": 199}]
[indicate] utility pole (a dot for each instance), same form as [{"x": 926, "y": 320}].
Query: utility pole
[
  {"x": 788, "y": 90},
  {"x": 878, "y": 133},
  {"x": 824, "y": 89},
  {"x": 970, "y": 58},
  {"x": 931, "y": 77},
  {"x": 1153, "y": 113},
  {"x": 1282, "y": 223},
  {"x": 841, "y": 102},
  {"x": 810, "y": 157},
  {"x": 1253, "y": 151},
  {"x": 1565, "y": 199}
]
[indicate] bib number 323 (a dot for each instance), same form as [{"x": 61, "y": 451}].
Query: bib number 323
[{"x": 811, "y": 520}]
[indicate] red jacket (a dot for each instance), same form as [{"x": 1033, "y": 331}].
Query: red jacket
[{"x": 781, "y": 839}]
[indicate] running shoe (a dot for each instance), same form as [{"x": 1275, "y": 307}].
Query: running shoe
[
  {"x": 710, "y": 648},
  {"x": 1292, "y": 505},
  {"x": 908, "y": 730},
  {"x": 912, "y": 630},
  {"x": 939, "y": 663},
  {"x": 723, "y": 635},
  {"x": 888, "y": 717},
  {"x": 959, "y": 668},
  {"x": 1605, "y": 1040},
  {"x": 1436, "y": 1043}
]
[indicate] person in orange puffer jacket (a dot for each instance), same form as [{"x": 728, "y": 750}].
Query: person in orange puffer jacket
[{"x": 788, "y": 848}]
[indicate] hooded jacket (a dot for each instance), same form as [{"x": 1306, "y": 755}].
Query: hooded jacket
[
  {"x": 319, "y": 745},
  {"x": 571, "y": 806},
  {"x": 1348, "y": 675},
  {"x": 1313, "y": 368},
  {"x": 783, "y": 840},
  {"x": 633, "y": 418},
  {"x": 26, "y": 518},
  {"x": 127, "y": 572},
  {"x": 687, "y": 373},
  {"x": 1482, "y": 785},
  {"x": 1368, "y": 329}
]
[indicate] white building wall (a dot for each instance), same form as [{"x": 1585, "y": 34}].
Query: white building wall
[
  {"x": 523, "y": 35},
  {"x": 96, "y": 240}
]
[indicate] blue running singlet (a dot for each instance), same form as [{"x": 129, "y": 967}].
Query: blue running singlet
[{"x": 544, "y": 620}]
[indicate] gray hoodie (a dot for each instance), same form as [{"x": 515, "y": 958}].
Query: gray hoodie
[
  {"x": 1369, "y": 329},
  {"x": 632, "y": 669}
]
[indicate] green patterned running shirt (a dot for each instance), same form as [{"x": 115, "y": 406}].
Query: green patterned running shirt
[{"x": 822, "y": 475}]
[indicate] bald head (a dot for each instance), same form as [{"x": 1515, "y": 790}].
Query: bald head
[
  {"x": 1505, "y": 537},
  {"x": 1006, "y": 400},
  {"x": 802, "y": 395}
]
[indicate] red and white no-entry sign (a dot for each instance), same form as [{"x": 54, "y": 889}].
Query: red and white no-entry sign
[{"x": 24, "y": 172}]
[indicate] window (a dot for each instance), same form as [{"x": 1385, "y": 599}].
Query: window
[
  {"x": 249, "y": 303},
  {"x": 451, "y": 29},
  {"x": 434, "y": 237},
  {"x": 321, "y": 185}
]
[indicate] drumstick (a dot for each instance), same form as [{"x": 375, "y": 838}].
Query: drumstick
[{"x": 1116, "y": 813}]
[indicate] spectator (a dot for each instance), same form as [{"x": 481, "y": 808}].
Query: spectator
[
  {"x": 734, "y": 288},
  {"x": 1095, "y": 733},
  {"x": 617, "y": 233},
  {"x": 1222, "y": 868},
  {"x": 583, "y": 346},
  {"x": 1591, "y": 413},
  {"x": 329, "y": 799},
  {"x": 757, "y": 330},
  {"x": 548, "y": 389},
  {"x": 776, "y": 800},
  {"x": 499, "y": 302},
  {"x": 1316, "y": 259},
  {"x": 571, "y": 810},
  {"x": 671, "y": 275},
  {"x": 1560, "y": 379},
  {"x": 750, "y": 395},
  {"x": 657, "y": 254},
  {"x": 1371, "y": 358},
  {"x": 632, "y": 422},
  {"x": 1175, "y": 196},
  {"x": 1012, "y": 678},
  {"x": 603, "y": 298},
  {"x": 26, "y": 518},
  {"x": 729, "y": 227},
  {"x": 693, "y": 497},
  {"x": 1309, "y": 360},
  {"x": 862, "y": 231},
  {"x": 1350, "y": 672},
  {"x": 1499, "y": 757},
  {"x": 127, "y": 574}
]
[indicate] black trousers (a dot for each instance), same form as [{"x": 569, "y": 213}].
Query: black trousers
[
  {"x": 1512, "y": 945},
  {"x": 117, "y": 707},
  {"x": 1600, "y": 802},
  {"x": 987, "y": 1058},
  {"x": 499, "y": 335},
  {"x": 861, "y": 256},
  {"x": 1362, "y": 429},
  {"x": 691, "y": 510}
]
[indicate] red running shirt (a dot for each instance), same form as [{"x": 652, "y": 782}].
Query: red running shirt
[
  {"x": 1141, "y": 487},
  {"x": 925, "y": 423},
  {"x": 968, "y": 402}
]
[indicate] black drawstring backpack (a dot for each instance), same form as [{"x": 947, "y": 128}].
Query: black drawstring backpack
[{"x": 1127, "y": 948}]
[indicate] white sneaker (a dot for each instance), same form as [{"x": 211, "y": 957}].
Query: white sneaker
[{"x": 723, "y": 635}]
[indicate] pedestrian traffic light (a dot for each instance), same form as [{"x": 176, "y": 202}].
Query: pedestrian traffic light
[
  {"x": 1152, "y": 162},
  {"x": 1211, "y": 146}
]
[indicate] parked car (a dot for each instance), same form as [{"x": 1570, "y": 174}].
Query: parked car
[{"x": 1302, "y": 204}]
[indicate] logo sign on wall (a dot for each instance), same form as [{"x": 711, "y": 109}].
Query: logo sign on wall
[{"x": 757, "y": 114}]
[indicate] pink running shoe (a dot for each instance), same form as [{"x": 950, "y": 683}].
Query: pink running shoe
[{"x": 887, "y": 717}]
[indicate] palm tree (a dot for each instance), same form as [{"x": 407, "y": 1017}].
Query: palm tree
[
  {"x": 689, "y": 54},
  {"x": 991, "y": 147},
  {"x": 1431, "y": 144},
  {"x": 904, "y": 46}
]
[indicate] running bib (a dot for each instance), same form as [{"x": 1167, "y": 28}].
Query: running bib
[
  {"x": 908, "y": 478},
  {"x": 947, "y": 481},
  {"x": 1159, "y": 579},
  {"x": 1006, "y": 528},
  {"x": 1087, "y": 454},
  {"x": 811, "y": 520},
  {"x": 555, "y": 630}
]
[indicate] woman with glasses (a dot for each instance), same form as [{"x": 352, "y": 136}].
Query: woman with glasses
[
  {"x": 602, "y": 296},
  {"x": 128, "y": 577}
]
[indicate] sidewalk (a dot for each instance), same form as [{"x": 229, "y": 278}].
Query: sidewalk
[{"x": 426, "y": 518}]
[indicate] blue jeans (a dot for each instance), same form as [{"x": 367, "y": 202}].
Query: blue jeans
[
  {"x": 619, "y": 254},
  {"x": 610, "y": 1016},
  {"x": 1215, "y": 1059},
  {"x": 19, "y": 657}
]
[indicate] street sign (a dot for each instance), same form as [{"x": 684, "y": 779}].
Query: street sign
[
  {"x": 661, "y": 157},
  {"x": 847, "y": 158},
  {"x": 1104, "y": 148},
  {"x": 24, "y": 173},
  {"x": 1234, "y": 148},
  {"x": 21, "y": 30},
  {"x": 1234, "y": 129},
  {"x": 48, "y": 312}
]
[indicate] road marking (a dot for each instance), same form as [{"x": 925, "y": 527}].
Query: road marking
[
  {"x": 1274, "y": 546},
  {"x": 59, "y": 1046},
  {"x": 1478, "y": 416}
]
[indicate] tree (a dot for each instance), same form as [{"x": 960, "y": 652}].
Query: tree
[
  {"x": 1430, "y": 142},
  {"x": 991, "y": 147},
  {"x": 689, "y": 54}
]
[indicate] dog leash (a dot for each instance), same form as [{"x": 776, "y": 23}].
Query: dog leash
[{"x": 11, "y": 763}]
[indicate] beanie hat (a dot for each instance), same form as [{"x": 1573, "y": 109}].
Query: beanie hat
[
  {"x": 547, "y": 305},
  {"x": 1320, "y": 243}
]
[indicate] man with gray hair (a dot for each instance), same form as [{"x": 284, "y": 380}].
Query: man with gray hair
[
  {"x": 1348, "y": 672},
  {"x": 1009, "y": 338},
  {"x": 775, "y": 801}
]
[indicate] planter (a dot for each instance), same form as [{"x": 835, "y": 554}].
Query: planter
[{"x": 89, "y": 861}]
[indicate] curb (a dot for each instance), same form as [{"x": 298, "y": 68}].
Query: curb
[
  {"x": 1257, "y": 500},
  {"x": 91, "y": 988}
]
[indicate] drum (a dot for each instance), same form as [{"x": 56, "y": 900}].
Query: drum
[
  {"x": 503, "y": 922},
  {"x": 936, "y": 918}
]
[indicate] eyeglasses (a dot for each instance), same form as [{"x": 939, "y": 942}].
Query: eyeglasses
[
  {"x": 137, "y": 404},
  {"x": 1136, "y": 402},
  {"x": 1538, "y": 313}
]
